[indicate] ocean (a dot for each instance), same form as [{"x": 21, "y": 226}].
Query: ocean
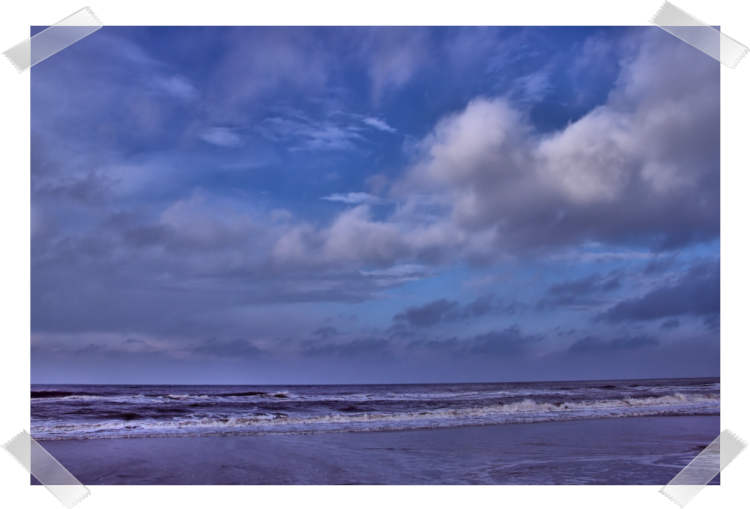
[{"x": 87, "y": 412}]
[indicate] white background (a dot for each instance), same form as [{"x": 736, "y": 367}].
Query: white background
[{"x": 16, "y": 17}]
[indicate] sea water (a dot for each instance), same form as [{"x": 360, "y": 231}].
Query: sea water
[{"x": 63, "y": 412}]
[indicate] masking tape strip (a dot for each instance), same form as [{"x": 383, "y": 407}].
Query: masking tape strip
[
  {"x": 54, "y": 39},
  {"x": 707, "y": 465},
  {"x": 700, "y": 35},
  {"x": 48, "y": 471}
]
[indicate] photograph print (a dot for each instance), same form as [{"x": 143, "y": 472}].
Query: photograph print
[{"x": 375, "y": 255}]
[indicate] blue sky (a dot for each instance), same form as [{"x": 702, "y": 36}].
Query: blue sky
[{"x": 373, "y": 205}]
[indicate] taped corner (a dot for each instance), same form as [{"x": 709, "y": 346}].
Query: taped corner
[
  {"x": 54, "y": 39},
  {"x": 699, "y": 35},
  {"x": 46, "y": 469},
  {"x": 704, "y": 467}
]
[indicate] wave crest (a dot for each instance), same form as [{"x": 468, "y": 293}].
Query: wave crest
[{"x": 527, "y": 410}]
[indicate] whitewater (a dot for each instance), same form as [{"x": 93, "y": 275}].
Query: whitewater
[{"x": 97, "y": 412}]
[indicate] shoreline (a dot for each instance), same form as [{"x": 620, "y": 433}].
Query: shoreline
[
  {"x": 635, "y": 450},
  {"x": 344, "y": 431}
]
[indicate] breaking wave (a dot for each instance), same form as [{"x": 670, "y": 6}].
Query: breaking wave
[{"x": 527, "y": 410}]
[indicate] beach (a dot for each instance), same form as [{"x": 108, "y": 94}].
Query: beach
[{"x": 628, "y": 451}]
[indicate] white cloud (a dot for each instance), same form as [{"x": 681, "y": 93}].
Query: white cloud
[
  {"x": 353, "y": 238},
  {"x": 610, "y": 176},
  {"x": 180, "y": 87},
  {"x": 533, "y": 87},
  {"x": 398, "y": 274},
  {"x": 198, "y": 221},
  {"x": 353, "y": 198},
  {"x": 394, "y": 56},
  {"x": 222, "y": 137},
  {"x": 593, "y": 159},
  {"x": 378, "y": 124},
  {"x": 260, "y": 61},
  {"x": 486, "y": 185},
  {"x": 280, "y": 215},
  {"x": 305, "y": 133}
]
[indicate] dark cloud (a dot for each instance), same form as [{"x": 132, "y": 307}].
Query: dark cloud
[
  {"x": 560, "y": 332},
  {"x": 451, "y": 345},
  {"x": 712, "y": 322},
  {"x": 489, "y": 304},
  {"x": 585, "y": 285},
  {"x": 440, "y": 364},
  {"x": 508, "y": 341},
  {"x": 359, "y": 348},
  {"x": 660, "y": 264},
  {"x": 670, "y": 324},
  {"x": 582, "y": 292},
  {"x": 431, "y": 313},
  {"x": 505, "y": 342},
  {"x": 132, "y": 292},
  {"x": 445, "y": 311},
  {"x": 132, "y": 274},
  {"x": 238, "y": 348},
  {"x": 695, "y": 293},
  {"x": 403, "y": 330},
  {"x": 89, "y": 188},
  {"x": 90, "y": 348},
  {"x": 591, "y": 344},
  {"x": 326, "y": 332}
]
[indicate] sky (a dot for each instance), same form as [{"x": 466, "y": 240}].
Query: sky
[{"x": 305, "y": 205}]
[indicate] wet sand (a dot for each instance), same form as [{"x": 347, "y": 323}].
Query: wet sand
[{"x": 633, "y": 450}]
